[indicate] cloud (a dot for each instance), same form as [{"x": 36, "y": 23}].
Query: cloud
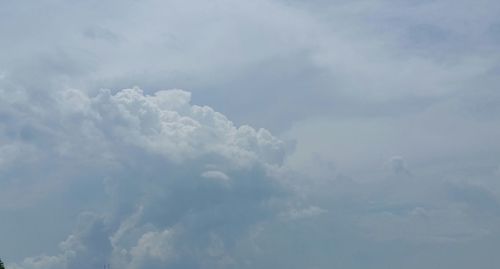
[
  {"x": 143, "y": 155},
  {"x": 218, "y": 175},
  {"x": 150, "y": 180},
  {"x": 398, "y": 166},
  {"x": 328, "y": 56}
]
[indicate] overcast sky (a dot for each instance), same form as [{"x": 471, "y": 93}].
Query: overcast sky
[{"x": 250, "y": 134}]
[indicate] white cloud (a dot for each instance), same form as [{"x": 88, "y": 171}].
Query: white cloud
[
  {"x": 148, "y": 151},
  {"x": 152, "y": 245},
  {"x": 218, "y": 175}
]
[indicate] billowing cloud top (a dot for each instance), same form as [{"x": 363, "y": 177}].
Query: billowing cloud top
[{"x": 166, "y": 123}]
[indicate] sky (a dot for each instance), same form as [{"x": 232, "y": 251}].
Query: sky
[{"x": 250, "y": 134}]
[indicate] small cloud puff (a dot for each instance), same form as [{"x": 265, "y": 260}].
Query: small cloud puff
[
  {"x": 398, "y": 166},
  {"x": 217, "y": 175}
]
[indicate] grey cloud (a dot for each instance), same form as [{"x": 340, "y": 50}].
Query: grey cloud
[
  {"x": 320, "y": 58},
  {"x": 398, "y": 166},
  {"x": 100, "y": 33}
]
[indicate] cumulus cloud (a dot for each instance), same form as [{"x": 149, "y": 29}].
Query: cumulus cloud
[{"x": 147, "y": 156}]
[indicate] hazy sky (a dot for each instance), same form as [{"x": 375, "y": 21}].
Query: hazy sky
[{"x": 250, "y": 134}]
